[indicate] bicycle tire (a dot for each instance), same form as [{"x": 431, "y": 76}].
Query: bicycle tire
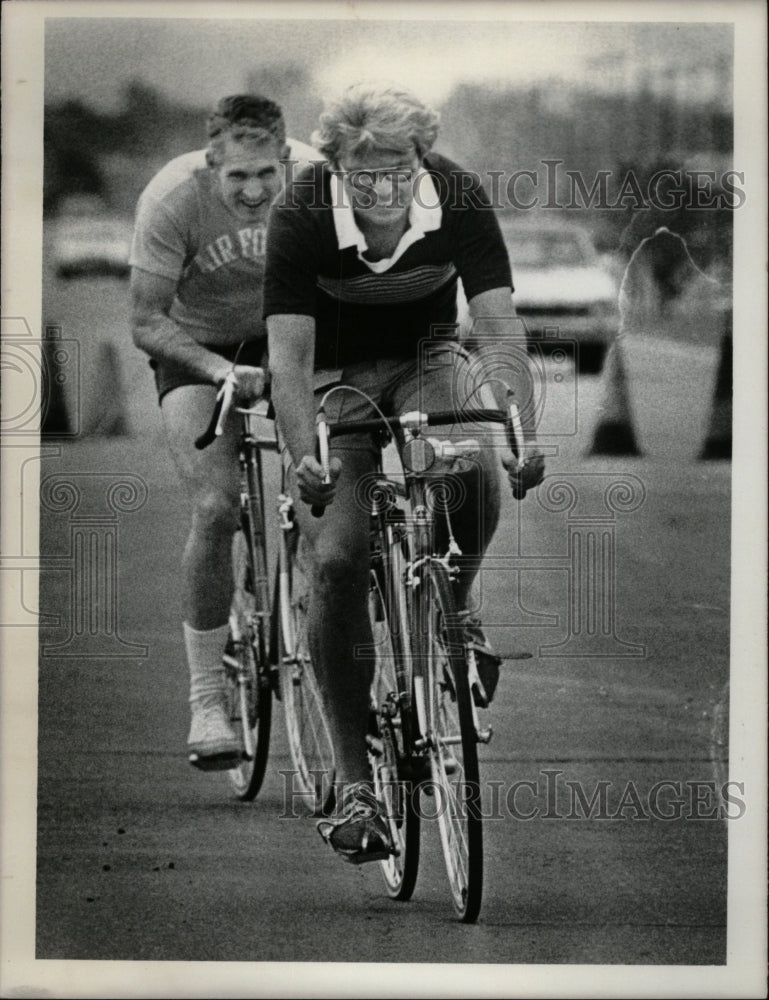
[
  {"x": 452, "y": 739},
  {"x": 390, "y": 702},
  {"x": 309, "y": 736},
  {"x": 247, "y": 677}
]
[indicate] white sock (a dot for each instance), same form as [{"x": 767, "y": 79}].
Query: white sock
[{"x": 204, "y": 656}]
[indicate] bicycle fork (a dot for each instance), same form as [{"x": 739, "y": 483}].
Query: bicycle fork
[
  {"x": 288, "y": 536},
  {"x": 414, "y": 576},
  {"x": 245, "y": 679}
]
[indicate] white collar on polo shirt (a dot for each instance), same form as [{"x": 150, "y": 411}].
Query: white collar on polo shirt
[{"x": 425, "y": 216}]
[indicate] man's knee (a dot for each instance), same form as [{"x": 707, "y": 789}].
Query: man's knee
[
  {"x": 215, "y": 511},
  {"x": 471, "y": 499},
  {"x": 477, "y": 482},
  {"x": 341, "y": 571}
]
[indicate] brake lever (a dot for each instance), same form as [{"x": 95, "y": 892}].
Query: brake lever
[
  {"x": 515, "y": 422},
  {"x": 321, "y": 437},
  {"x": 222, "y": 408}
]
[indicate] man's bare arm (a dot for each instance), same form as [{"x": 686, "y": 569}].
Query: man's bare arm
[
  {"x": 291, "y": 341},
  {"x": 159, "y": 336},
  {"x": 496, "y": 312}
]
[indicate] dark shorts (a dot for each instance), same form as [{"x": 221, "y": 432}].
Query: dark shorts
[{"x": 168, "y": 377}]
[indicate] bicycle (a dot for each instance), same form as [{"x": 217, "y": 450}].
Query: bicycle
[
  {"x": 267, "y": 654},
  {"x": 249, "y": 672},
  {"x": 424, "y": 726}
]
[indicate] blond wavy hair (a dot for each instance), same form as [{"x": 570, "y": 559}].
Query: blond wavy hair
[{"x": 368, "y": 116}]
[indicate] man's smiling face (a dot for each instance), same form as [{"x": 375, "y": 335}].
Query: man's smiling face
[
  {"x": 250, "y": 178},
  {"x": 380, "y": 184}
]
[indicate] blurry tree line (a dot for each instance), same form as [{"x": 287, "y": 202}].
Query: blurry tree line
[
  {"x": 115, "y": 155},
  {"x": 91, "y": 152},
  {"x": 642, "y": 133},
  {"x": 516, "y": 128},
  {"x": 483, "y": 128}
]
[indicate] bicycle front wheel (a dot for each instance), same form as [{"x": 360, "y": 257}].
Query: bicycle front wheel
[
  {"x": 452, "y": 740},
  {"x": 309, "y": 737},
  {"x": 247, "y": 673}
]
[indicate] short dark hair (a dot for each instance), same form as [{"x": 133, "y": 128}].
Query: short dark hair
[{"x": 244, "y": 117}]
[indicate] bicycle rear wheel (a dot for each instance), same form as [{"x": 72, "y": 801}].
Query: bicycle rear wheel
[
  {"x": 247, "y": 673},
  {"x": 309, "y": 737},
  {"x": 452, "y": 740},
  {"x": 389, "y": 702}
]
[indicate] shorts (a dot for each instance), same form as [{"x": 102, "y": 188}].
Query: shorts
[
  {"x": 168, "y": 376},
  {"x": 444, "y": 378}
]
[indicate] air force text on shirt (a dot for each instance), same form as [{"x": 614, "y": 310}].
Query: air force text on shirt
[{"x": 250, "y": 244}]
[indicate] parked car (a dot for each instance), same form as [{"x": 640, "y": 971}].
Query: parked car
[
  {"x": 89, "y": 240},
  {"x": 561, "y": 283}
]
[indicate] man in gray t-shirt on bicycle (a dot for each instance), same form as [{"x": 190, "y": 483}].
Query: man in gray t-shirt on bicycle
[
  {"x": 197, "y": 261},
  {"x": 363, "y": 258}
]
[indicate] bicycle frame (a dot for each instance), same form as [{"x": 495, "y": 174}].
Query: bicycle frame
[
  {"x": 250, "y": 673},
  {"x": 424, "y": 720},
  {"x": 252, "y": 500},
  {"x": 420, "y": 537},
  {"x": 252, "y": 507}
]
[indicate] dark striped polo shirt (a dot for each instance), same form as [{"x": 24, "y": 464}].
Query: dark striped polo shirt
[{"x": 383, "y": 309}]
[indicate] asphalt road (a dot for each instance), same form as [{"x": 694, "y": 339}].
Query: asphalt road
[{"x": 140, "y": 857}]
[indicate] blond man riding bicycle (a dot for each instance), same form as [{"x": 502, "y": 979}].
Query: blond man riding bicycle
[{"x": 362, "y": 266}]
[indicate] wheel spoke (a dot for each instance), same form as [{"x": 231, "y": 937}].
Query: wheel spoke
[
  {"x": 250, "y": 700},
  {"x": 399, "y": 871},
  {"x": 309, "y": 737},
  {"x": 454, "y": 754}
]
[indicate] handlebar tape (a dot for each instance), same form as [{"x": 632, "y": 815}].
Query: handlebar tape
[
  {"x": 322, "y": 431},
  {"x": 209, "y": 434}
]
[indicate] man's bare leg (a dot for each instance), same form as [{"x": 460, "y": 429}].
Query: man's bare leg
[
  {"x": 338, "y": 615},
  {"x": 211, "y": 482}
]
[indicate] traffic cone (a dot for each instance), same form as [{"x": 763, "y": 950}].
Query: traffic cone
[
  {"x": 718, "y": 443},
  {"x": 614, "y": 434},
  {"x": 54, "y": 418},
  {"x": 108, "y": 416}
]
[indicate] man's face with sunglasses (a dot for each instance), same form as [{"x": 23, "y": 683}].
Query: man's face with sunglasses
[{"x": 380, "y": 184}]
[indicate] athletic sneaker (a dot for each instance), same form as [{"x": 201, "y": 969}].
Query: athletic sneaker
[
  {"x": 361, "y": 833},
  {"x": 485, "y": 677},
  {"x": 212, "y": 744}
]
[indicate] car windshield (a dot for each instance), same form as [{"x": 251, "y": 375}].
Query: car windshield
[{"x": 546, "y": 249}]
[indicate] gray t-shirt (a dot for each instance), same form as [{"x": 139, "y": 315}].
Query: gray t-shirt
[{"x": 184, "y": 231}]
